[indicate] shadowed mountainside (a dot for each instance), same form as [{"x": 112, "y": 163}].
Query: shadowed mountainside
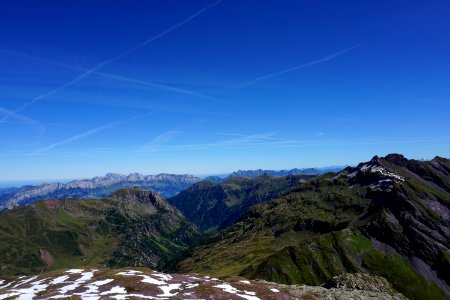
[{"x": 217, "y": 205}]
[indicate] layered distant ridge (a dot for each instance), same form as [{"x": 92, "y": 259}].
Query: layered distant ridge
[{"x": 166, "y": 184}]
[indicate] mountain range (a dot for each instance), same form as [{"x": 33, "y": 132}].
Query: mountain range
[
  {"x": 387, "y": 218},
  {"x": 277, "y": 173},
  {"x": 167, "y": 185},
  {"x": 98, "y": 187},
  {"x": 274, "y": 173}
]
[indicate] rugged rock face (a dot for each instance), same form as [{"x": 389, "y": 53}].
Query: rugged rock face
[
  {"x": 166, "y": 184},
  {"x": 211, "y": 206},
  {"x": 130, "y": 228},
  {"x": 350, "y": 286},
  {"x": 146, "y": 284},
  {"x": 360, "y": 281},
  {"x": 387, "y": 217}
]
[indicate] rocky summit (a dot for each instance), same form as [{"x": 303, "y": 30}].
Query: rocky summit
[{"x": 139, "y": 283}]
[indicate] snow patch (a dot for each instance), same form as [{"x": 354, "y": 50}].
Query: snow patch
[
  {"x": 102, "y": 282},
  {"x": 134, "y": 296},
  {"x": 74, "y": 271},
  {"x": 130, "y": 273},
  {"x": 167, "y": 288},
  {"x": 163, "y": 276},
  {"x": 191, "y": 285},
  {"x": 59, "y": 279},
  {"x": 378, "y": 169},
  {"x": 22, "y": 282},
  {"x": 4, "y": 296},
  {"x": 232, "y": 290},
  {"x": 6, "y": 285},
  {"x": 28, "y": 293},
  {"x": 146, "y": 278},
  {"x": 115, "y": 290},
  {"x": 86, "y": 276},
  {"x": 68, "y": 288}
]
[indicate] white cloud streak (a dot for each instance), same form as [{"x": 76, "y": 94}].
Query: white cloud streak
[
  {"x": 295, "y": 68},
  {"x": 249, "y": 143},
  {"x": 117, "y": 57},
  {"x": 159, "y": 141},
  {"x": 89, "y": 133},
  {"x": 149, "y": 84},
  {"x": 21, "y": 119},
  {"x": 77, "y": 137},
  {"x": 239, "y": 140}
]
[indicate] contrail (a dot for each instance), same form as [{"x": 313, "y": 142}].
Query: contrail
[
  {"x": 256, "y": 143},
  {"x": 90, "y": 132},
  {"x": 117, "y": 77},
  {"x": 159, "y": 141},
  {"x": 311, "y": 63},
  {"x": 117, "y": 57},
  {"x": 23, "y": 119},
  {"x": 77, "y": 137}
]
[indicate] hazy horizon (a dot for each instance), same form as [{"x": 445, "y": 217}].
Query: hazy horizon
[{"x": 33, "y": 181}]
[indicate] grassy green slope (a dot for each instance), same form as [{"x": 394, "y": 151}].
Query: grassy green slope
[
  {"x": 130, "y": 228},
  {"x": 317, "y": 207}
]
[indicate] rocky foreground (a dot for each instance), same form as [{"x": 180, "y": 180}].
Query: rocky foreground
[{"x": 140, "y": 283}]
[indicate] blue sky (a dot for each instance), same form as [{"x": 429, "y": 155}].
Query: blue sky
[{"x": 203, "y": 87}]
